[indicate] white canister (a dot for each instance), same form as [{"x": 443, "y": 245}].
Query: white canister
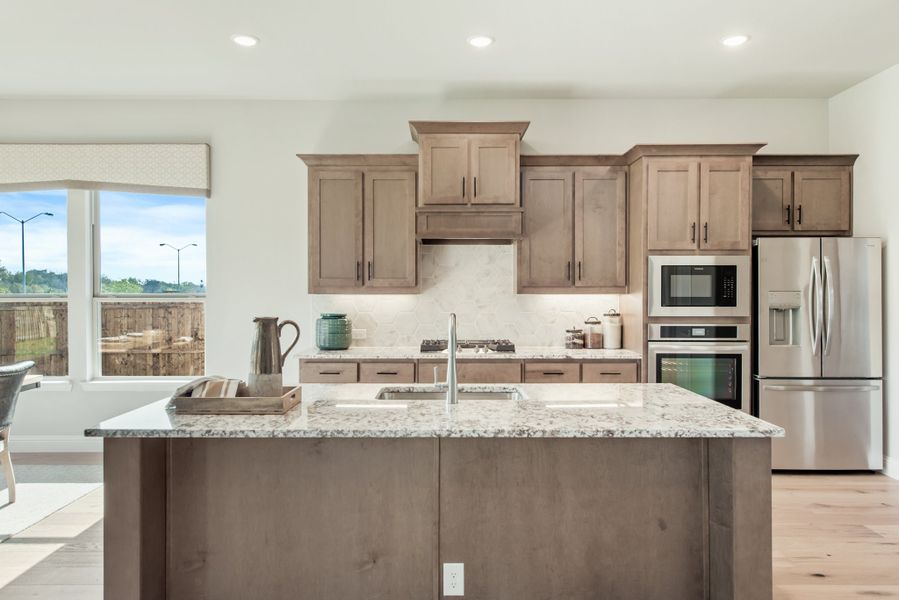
[{"x": 611, "y": 330}]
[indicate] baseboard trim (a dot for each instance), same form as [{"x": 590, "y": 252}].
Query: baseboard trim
[
  {"x": 54, "y": 443},
  {"x": 891, "y": 467}
]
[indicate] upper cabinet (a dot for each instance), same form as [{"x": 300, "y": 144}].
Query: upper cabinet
[
  {"x": 575, "y": 230},
  {"x": 802, "y": 194},
  {"x": 468, "y": 163},
  {"x": 698, "y": 203},
  {"x": 362, "y": 224}
]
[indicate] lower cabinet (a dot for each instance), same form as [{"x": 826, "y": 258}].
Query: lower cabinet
[
  {"x": 609, "y": 372},
  {"x": 474, "y": 371},
  {"x": 552, "y": 372},
  {"x": 470, "y": 371}
]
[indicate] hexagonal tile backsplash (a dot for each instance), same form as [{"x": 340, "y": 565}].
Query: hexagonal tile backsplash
[{"x": 476, "y": 282}]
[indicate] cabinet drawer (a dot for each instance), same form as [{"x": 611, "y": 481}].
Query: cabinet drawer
[
  {"x": 612, "y": 372},
  {"x": 552, "y": 372},
  {"x": 476, "y": 371},
  {"x": 328, "y": 372},
  {"x": 387, "y": 372}
]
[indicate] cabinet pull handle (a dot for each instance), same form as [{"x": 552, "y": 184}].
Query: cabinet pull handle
[
  {"x": 358, "y": 271},
  {"x": 463, "y": 186},
  {"x": 553, "y": 373},
  {"x": 369, "y": 271},
  {"x": 788, "y": 210},
  {"x": 610, "y": 372},
  {"x": 705, "y": 233},
  {"x": 387, "y": 373},
  {"x": 693, "y": 232},
  {"x": 330, "y": 372},
  {"x": 580, "y": 271},
  {"x": 475, "y": 187},
  {"x": 568, "y": 272},
  {"x": 799, "y": 215}
]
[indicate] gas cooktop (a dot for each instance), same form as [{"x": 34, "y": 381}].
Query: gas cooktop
[{"x": 478, "y": 346}]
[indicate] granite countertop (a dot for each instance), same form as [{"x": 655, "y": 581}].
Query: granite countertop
[
  {"x": 547, "y": 411},
  {"x": 415, "y": 353}
]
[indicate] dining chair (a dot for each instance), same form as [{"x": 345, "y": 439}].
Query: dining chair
[{"x": 11, "y": 377}]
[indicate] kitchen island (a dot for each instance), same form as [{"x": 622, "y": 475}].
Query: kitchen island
[{"x": 566, "y": 491}]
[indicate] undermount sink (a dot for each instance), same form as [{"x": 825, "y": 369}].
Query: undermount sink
[{"x": 505, "y": 393}]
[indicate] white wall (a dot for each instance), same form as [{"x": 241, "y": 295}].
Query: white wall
[
  {"x": 257, "y": 214},
  {"x": 865, "y": 120}
]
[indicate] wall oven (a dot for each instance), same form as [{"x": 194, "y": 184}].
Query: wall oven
[
  {"x": 711, "y": 360},
  {"x": 700, "y": 286}
]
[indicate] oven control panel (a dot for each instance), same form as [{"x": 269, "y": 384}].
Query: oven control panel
[{"x": 698, "y": 332}]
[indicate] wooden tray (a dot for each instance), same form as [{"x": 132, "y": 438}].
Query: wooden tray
[{"x": 245, "y": 405}]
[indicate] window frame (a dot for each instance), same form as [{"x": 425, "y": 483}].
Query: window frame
[
  {"x": 97, "y": 298},
  {"x": 62, "y": 380},
  {"x": 84, "y": 303}
]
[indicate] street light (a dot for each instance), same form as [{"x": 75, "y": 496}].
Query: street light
[
  {"x": 178, "y": 250},
  {"x": 22, "y": 223}
]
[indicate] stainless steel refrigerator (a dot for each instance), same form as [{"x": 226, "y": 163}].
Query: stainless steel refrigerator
[{"x": 819, "y": 350}]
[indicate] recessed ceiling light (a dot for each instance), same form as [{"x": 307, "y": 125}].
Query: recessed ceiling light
[
  {"x": 480, "y": 41},
  {"x": 242, "y": 39},
  {"x": 735, "y": 40}
]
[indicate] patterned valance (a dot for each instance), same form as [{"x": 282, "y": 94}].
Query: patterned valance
[{"x": 150, "y": 168}]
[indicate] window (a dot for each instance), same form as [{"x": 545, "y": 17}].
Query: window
[
  {"x": 34, "y": 280},
  {"x": 149, "y": 284}
]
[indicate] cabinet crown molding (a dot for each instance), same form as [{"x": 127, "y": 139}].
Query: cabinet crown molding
[
  {"x": 418, "y": 128},
  {"x": 641, "y": 150},
  {"x": 804, "y": 160},
  {"x": 360, "y": 160}
]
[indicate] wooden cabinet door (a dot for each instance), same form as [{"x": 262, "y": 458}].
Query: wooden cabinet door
[
  {"x": 390, "y": 245},
  {"x": 545, "y": 252},
  {"x": 772, "y": 199},
  {"x": 823, "y": 199},
  {"x": 335, "y": 230},
  {"x": 494, "y": 169},
  {"x": 443, "y": 165},
  {"x": 600, "y": 227},
  {"x": 672, "y": 204},
  {"x": 724, "y": 190}
]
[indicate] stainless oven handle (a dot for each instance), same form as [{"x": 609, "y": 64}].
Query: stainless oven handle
[
  {"x": 822, "y": 388},
  {"x": 697, "y": 348}
]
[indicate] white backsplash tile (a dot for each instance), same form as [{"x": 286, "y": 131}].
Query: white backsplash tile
[{"x": 476, "y": 282}]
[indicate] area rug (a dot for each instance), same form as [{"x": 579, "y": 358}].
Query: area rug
[{"x": 35, "y": 502}]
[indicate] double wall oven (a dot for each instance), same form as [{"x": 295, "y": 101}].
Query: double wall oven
[{"x": 710, "y": 357}]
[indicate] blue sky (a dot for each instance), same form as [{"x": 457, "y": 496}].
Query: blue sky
[{"x": 131, "y": 228}]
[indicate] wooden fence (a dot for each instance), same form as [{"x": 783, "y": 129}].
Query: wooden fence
[
  {"x": 152, "y": 338},
  {"x": 37, "y": 331},
  {"x": 136, "y": 338}
]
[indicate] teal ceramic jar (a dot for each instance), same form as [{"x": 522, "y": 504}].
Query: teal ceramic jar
[{"x": 333, "y": 331}]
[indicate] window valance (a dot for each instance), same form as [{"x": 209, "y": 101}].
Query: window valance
[{"x": 149, "y": 168}]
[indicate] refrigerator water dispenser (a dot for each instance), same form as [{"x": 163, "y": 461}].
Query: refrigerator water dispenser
[{"x": 783, "y": 318}]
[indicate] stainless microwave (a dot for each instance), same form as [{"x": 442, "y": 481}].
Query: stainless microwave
[{"x": 700, "y": 286}]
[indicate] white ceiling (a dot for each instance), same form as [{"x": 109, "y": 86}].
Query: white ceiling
[{"x": 348, "y": 49}]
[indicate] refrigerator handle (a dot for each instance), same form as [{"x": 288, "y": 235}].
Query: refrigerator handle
[
  {"x": 814, "y": 305},
  {"x": 828, "y": 280},
  {"x": 822, "y": 388}
]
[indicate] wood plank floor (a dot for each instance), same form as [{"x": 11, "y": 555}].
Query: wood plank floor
[{"x": 835, "y": 536}]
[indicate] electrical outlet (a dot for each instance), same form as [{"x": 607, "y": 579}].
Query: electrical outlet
[
  {"x": 360, "y": 334},
  {"x": 453, "y": 579}
]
